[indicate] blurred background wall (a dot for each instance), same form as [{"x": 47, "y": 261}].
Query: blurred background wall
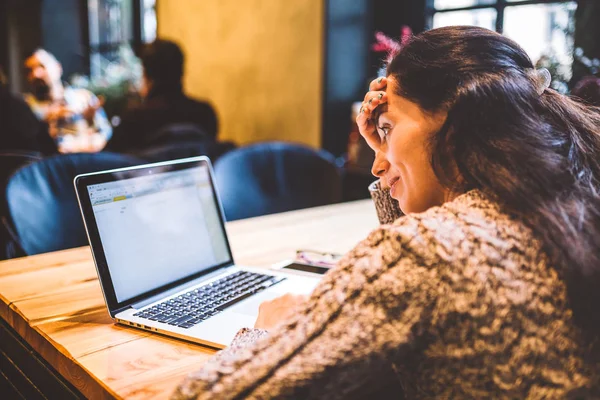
[{"x": 258, "y": 61}]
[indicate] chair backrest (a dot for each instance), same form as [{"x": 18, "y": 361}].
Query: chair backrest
[
  {"x": 275, "y": 177},
  {"x": 42, "y": 204},
  {"x": 12, "y": 160},
  {"x": 173, "y": 151},
  {"x": 185, "y": 149},
  {"x": 176, "y": 132}
]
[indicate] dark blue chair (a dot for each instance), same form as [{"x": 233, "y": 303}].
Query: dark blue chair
[
  {"x": 275, "y": 177},
  {"x": 180, "y": 140},
  {"x": 173, "y": 151},
  {"x": 184, "y": 149},
  {"x": 176, "y": 132},
  {"x": 43, "y": 213},
  {"x": 10, "y": 162}
]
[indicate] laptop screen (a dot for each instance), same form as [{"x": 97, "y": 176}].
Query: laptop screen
[{"x": 158, "y": 228}]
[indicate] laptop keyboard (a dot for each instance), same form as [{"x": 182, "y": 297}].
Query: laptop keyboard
[{"x": 195, "y": 306}]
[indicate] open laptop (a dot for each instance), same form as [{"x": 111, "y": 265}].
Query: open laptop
[{"x": 159, "y": 243}]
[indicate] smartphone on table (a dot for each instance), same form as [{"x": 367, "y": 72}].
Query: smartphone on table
[{"x": 310, "y": 261}]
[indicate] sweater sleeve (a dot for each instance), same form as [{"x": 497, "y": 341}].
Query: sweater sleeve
[{"x": 364, "y": 315}]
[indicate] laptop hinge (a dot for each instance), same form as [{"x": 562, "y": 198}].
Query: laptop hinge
[{"x": 179, "y": 288}]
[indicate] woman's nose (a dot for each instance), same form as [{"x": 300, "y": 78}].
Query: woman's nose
[{"x": 380, "y": 165}]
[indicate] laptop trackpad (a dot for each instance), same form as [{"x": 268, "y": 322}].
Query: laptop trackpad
[
  {"x": 296, "y": 285},
  {"x": 222, "y": 327}
]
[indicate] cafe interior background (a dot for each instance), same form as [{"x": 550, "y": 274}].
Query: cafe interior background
[{"x": 287, "y": 73}]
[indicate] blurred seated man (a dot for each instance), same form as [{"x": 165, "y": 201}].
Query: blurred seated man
[
  {"x": 75, "y": 117},
  {"x": 19, "y": 128},
  {"x": 164, "y": 104}
]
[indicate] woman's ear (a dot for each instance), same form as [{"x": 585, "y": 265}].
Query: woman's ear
[
  {"x": 453, "y": 175},
  {"x": 443, "y": 148}
]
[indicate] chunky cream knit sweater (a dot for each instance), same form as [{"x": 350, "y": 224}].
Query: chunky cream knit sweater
[{"x": 455, "y": 302}]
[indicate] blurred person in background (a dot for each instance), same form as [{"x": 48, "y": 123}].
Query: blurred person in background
[
  {"x": 588, "y": 89},
  {"x": 164, "y": 104},
  {"x": 75, "y": 117},
  {"x": 19, "y": 127}
]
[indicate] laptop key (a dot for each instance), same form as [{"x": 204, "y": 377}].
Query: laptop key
[
  {"x": 264, "y": 278},
  {"x": 275, "y": 281},
  {"x": 180, "y": 320},
  {"x": 235, "y": 300},
  {"x": 167, "y": 318}
]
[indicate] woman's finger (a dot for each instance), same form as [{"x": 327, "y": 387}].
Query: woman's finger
[
  {"x": 378, "y": 84},
  {"x": 367, "y": 129},
  {"x": 372, "y": 100},
  {"x": 374, "y": 95},
  {"x": 364, "y": 120}
]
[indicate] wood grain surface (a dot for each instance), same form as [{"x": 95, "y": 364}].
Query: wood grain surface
[{"x": 54, "y": 302}]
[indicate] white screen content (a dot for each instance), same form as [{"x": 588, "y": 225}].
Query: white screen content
[{"x": 157, "y": 229}]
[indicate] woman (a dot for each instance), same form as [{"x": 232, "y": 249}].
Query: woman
[{"x": 488, "y": 287}]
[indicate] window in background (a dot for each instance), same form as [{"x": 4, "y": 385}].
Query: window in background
[
  {"x": 110, "y": 27},
  {"x": 446, "y": 4},
  {"x": 115, "y": 29},
  {"x": 149, "y": 21},
  {"x": 115, "y": 26},
  {"x": 543, "y": 28},
  {"x": 545, "y": 31},
  {"x": 485, "y": 18}
]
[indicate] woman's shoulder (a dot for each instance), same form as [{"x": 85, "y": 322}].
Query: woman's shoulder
[
  {"x": 472, "y": 226},
  {"x": 469, "y": 244}
]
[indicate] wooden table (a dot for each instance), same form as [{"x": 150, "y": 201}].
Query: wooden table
[{"x": 57, "y": 339}]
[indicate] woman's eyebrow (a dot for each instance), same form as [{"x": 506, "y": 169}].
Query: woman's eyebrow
[{"x": 378, "y": 112}]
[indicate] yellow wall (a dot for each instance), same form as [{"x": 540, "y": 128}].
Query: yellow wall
[{"x": 259, "y": 62}]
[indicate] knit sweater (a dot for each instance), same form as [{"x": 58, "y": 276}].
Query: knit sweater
[{"x": 455, "y": 302}]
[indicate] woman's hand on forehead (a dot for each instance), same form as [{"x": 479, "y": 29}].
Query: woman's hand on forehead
[{"x": 366, "y": 120}]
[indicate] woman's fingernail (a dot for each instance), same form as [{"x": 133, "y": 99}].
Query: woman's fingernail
[
  {"x": 371, "y": 100},
  {"x": 362, "y": 109},
  {"x": 380, "y": 95},
  {"x": 379, "y": 80}
]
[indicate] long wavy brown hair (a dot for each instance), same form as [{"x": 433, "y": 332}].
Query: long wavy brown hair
[{"x": 539, "y": 154}]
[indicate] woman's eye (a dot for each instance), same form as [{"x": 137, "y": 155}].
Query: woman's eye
[{"x": 384, "y": 130}]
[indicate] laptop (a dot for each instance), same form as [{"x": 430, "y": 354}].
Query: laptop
[{"x": 158, "y": 239}]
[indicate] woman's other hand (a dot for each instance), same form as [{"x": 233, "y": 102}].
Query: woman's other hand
[
  {"x": 366, "y": 126},
  {"x": 271, "y": 313}
]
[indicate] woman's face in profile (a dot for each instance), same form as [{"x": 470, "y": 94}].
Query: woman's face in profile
[{"x": 403, "y": 160}]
